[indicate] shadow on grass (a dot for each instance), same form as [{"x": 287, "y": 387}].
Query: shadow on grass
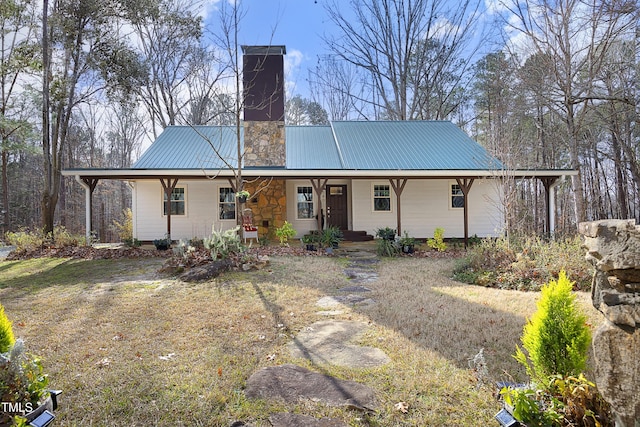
[{"x": 33, "y": 275}]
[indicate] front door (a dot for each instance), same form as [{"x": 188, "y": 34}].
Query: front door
[{"x": 337, "y": 206}]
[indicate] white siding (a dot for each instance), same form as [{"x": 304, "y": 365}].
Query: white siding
[
  {"x": 201, "y": 210},
  {"x": 426, "y": 206}
]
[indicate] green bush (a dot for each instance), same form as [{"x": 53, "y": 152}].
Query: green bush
[
  {"x": 556, "y": 337},
  {"x": 6, "y": 332},
  {"x": 387, "y": 248},
  {"x": 285, "y": 232},
  {"x": 437, "y": 242},
  {"x": 26, "y": 241}
]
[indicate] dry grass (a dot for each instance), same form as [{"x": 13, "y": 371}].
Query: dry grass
[{"x": 130, "y": 348}]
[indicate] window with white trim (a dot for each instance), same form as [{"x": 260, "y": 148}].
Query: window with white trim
[
  {"x": 305, "y": 202},
  {"x": 457, "y": 197},
  {"x": 227, "y": 203},
  {"x": 176, "y": 201},
  {"x": 381, "y": 198}
]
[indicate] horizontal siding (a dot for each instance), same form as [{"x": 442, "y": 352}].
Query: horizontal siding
[
  {"x": 201, "y": 211},
  {"x": 424, "y": 208}
]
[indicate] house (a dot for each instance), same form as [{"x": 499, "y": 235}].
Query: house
[{"x": 413, "y": 176}]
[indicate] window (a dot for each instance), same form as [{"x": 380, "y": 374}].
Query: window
[
  {"x": 457, "y": 197},
  {"x": 305, "y": 202},
  {"x": 381, "y": 198},
  {"x": 177, "y": 202},
  {"x": 227, "y": 205}
]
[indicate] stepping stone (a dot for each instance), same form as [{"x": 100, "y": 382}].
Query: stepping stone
[
  {"x": 361, "y": 275},
  {"x": 327, "y": 342},
  {"x": 338, "y": 300},
  {"x": 330, "y": 312},
  {"x": 291, "y": 383},
  {"x": 297, "y": 420},
  {"x": 354, "y": 289}
]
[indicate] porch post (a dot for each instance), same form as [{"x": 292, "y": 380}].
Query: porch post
[
  {"x": 398, "y": 187},
  {"x": 318, "y": 186},
  {"x": 465, "y": 185},
  {"x": 89, "y": 184},
  {"x": 168, "y": 185},
  {"x": 549, "y": 190}
]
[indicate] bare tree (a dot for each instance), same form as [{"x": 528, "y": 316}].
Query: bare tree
[
  {"x": 575, "y": 36},
  {"x": 412, "y": 51}
]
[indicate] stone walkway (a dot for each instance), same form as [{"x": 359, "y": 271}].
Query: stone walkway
[{"x": 327, "y": 342}]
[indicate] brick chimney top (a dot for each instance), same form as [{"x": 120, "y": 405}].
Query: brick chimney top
[{"x": 264, "y": 50}]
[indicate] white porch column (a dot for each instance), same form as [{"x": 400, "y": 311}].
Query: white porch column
[{"x": 87, "y": 209}]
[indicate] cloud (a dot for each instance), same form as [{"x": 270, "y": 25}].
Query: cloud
[{"x": 495, "y": 6}]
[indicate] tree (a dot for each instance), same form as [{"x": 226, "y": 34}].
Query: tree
[
  {"x": 301, "y": 111},
  {"x": 17, "y": 50},
  {"x": 410, "y": 50},
  {"x": 80, "y": 50},
  {"x": 168, "y": 34},
  {"x": 575, "y": 36}
]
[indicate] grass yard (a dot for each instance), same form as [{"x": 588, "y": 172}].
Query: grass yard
[{"x": 131, "y": 348}]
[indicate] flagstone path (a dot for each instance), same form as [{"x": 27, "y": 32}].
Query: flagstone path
[{"x": 327, "y": 342}]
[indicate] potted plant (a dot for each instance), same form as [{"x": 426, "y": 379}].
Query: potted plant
[
  {"x": 310, "y": 241},
  {"x": 23, "y": 383},
  {"x": 407, "y": 243},
  {"x": 386, "y": 233},
  {"x": 243, "y": 195},
  {"x": 162, "y": 244}
]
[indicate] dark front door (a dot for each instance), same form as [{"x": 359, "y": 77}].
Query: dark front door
[{"x": 337, "y": 206}]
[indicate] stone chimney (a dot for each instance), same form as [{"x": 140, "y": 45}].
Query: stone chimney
[{"x": 263, "y": 92}]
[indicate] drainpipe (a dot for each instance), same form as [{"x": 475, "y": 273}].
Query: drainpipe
[{"x": 87, "y": 208}]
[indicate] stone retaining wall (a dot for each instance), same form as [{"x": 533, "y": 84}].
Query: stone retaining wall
[{"x": 613, "y": 247}]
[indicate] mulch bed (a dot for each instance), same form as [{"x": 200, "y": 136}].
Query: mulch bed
[{"x": 88, "y": 252}]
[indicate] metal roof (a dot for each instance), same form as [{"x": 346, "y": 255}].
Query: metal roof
[
  {"x": 410, "y": 145},
  {"x": 191, "y": 147},
  {"x": 363, "y": 145}
]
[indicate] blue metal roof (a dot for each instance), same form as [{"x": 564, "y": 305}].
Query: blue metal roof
[
  {"x": 190, "y": 147},
  {"x": 410, "y": 145},
  {"x": 363, "y": 145}
]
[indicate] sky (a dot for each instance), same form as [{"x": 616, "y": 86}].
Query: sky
[{"x": 297, "y": 24}]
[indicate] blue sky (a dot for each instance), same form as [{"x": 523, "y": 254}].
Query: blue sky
[{"x": 297, "y": 24}]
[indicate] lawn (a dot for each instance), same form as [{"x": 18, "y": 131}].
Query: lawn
[{"x": 132, "y": 347}]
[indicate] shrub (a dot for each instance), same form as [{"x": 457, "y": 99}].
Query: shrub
[
  {"x": 223, "y": 244},
  {"x": 125, "y": 229},
  {"x": 556, "y": 337},
  {"x": 437, "y": 242},
  {"x": 26, "y": 241},
  {"x": 6, "y": 332},
  {"x": 285, "y": 232},
  {"x": 524, "y": 263},
  {"x": 387, "y": 248}
]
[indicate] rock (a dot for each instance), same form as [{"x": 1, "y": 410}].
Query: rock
[
  {"x": 297, "y": 420},
  {"x": 613, "y": 247},
  {"x": 328, "y": 342},
  {"x": 291, "y": 383},
  {"x": 336, "y": 301},
  {"x": 354, "y": 289},
  {"x": 617, "y": 369},
  {"x": 206, "y": 272}
]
